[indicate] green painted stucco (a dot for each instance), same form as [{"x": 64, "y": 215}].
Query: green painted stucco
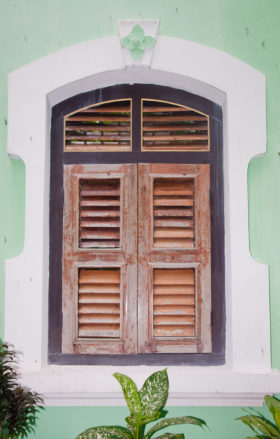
[{"x": 246, "y": 29}]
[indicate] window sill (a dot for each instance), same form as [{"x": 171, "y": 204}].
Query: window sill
[{"x": 95, "y": 386}]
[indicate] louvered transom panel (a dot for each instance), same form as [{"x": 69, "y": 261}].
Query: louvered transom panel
[
  {"x": 99, "y": 213},
  {"x": 173, "y": 213},
  {"x": 103, "y": 127},
  {"x": 174, "y": 304},
  {"x": 99, "y": 310},
  {"x": 167, "y": 126}
]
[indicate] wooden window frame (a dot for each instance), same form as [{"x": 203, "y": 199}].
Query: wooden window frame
[{"x": 214, "y": 157}]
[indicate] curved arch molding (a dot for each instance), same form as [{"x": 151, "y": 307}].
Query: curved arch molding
[{"x": 33, "y": 89}]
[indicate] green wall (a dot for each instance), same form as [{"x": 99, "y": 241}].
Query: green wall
[{"x": 246, "y": 29}]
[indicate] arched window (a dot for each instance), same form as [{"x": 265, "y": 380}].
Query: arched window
[{"x": 136, "y": 228}]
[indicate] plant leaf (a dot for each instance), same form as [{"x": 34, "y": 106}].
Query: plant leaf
[
  {"x": 142, "y": 418},
  {"x": 171, "y": 436},
  {"x": 154, "y": 392},
  {"x": 274, "y": 407},
  {"x": 260, "y": 423},
  {"x": 174, "y": 421},
  {"x": 130, "y": 392},
  {"x": 107, "y": 432}
]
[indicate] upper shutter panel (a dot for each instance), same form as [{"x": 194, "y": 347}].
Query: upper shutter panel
[
  {"x": 173, "y": 207},
  {"x": 172, "y": 127},
  {"x": 100, "y": 127},
  {"x": 99, "y": 213}
]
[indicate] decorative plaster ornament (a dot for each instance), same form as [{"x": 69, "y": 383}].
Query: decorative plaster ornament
[{"x": 137, "y": 42}]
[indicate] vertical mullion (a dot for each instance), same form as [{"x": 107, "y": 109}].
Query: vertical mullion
[
  {"x": 144, "y": 246},
  {"x": 129, "y": 229}
]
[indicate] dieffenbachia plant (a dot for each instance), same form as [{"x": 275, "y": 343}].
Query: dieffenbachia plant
[
  {"x": 264, "y": 428},
  {"x": 145, "y": 405}
]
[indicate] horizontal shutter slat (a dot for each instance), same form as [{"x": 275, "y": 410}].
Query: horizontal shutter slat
[
  {"x": 98, "y": 276},
  {"x": 174, "y": 331}
]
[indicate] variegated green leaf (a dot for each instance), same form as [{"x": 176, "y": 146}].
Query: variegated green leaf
[
  {"x": 130, "y": 393},
  {"x": 261, "y": 424},
  {"x": 110, "y": 432},
  {"x": 142, "y": 418},
  {"x": 174, "y": 421},
  {"x": 171, "y": 436},
  {"x": 274, "y": 407},
  {"x": 258, "y": 436},
  {"x": 154, "y": 392}
]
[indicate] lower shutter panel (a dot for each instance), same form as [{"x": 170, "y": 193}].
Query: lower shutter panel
[
  {"x": 99, "y": 311},
  {"x": 174, "y": 302}
]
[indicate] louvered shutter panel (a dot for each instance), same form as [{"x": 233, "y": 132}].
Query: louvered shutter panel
[
  {"x": 99, "y": 127},
  {"x": 168, "y": 126},
  {"x": 173, "y": 211},
  {"x": 99, "y": 259},
  {"x": 99, "y": 313},
  {"x": 174, "y": 307},
  {"x": 99, "y": 213},
  {"x": 174, "y": 274}
]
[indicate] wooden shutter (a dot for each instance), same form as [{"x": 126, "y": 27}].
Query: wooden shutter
[
  {"x": 174, "y": 277},
  {"x": 171, "y": 127},
  {"x": 99, "y": 259},
  {"x": 99, "y": 127}
]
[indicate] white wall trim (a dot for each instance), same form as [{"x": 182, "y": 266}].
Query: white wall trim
[{"x": 181, "y": 64}]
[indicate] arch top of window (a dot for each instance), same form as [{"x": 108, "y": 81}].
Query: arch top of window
[{"x": 162, "y": 124}]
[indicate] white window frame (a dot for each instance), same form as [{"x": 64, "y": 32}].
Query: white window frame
[{"x": 33, "y": 90}]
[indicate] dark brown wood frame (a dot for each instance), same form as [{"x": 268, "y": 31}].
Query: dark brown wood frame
[{"x": 214, "y": 157}]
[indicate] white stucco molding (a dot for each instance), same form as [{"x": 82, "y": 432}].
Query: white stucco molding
[{"x": 199, "y": 69}]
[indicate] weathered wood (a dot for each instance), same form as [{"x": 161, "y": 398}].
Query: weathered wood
[
  {"x": 97, "y": 118},
  {"x": 168, "y": 118},
  {"x": 103, "y": 281},
  {"x": 97, "y": 128},
  {"x": 168, "y": 137},
  {"x": 181, "y": 127},
  {"x": 173, "y": 281}
]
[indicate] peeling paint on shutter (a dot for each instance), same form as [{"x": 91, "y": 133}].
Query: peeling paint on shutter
[
  {"x": 174, "y": 253},
  {"x": 100, "y": 259}
]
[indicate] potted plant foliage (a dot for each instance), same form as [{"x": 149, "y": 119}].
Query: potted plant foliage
[
  {"x": 145, "y": 405},
  {"x": 261, "y": 426},
  {"x": 18, "y": 405}
]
